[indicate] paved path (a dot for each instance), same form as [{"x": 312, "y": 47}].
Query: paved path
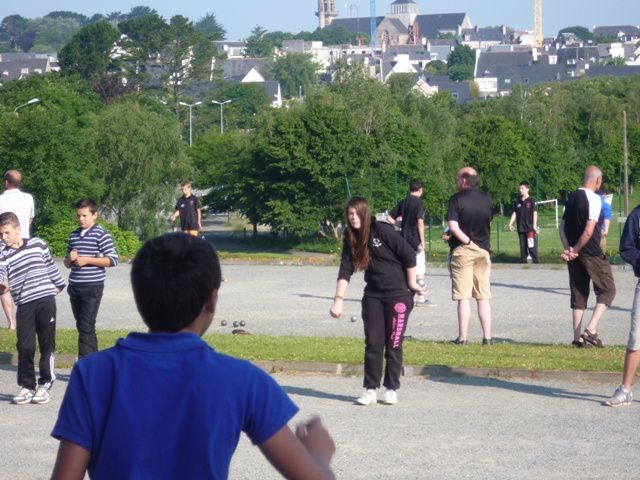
[
  {"x": 453, "y": 427},
  {"x": 529, "y": 305}
]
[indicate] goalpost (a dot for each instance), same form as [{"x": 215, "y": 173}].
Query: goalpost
[{"x": 552, "y": 205}]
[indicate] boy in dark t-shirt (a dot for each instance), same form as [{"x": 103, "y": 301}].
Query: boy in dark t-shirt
[
  {"x": 410, "y": 212},
  {"x": 188, "y": 208},
  {"x": 525, "y": 216}
]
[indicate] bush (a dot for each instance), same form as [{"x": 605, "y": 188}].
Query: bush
[{"x": 57, "y": 236}]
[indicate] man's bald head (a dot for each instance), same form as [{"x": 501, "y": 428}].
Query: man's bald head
[
  {"x": 467, "y": 177},
  {"x": 12, "y": 179},
  {"x": 592, "y": 178}
]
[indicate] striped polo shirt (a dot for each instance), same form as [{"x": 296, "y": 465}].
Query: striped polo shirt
[
  {"x": 30, "y": 271},
  {"x": 92, "y": 242}
]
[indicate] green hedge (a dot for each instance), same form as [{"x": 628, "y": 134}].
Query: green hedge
[{"x": 57, "y": 236}]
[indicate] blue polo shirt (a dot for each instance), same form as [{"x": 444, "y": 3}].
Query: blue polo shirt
[{"x": 167, "y": 406}]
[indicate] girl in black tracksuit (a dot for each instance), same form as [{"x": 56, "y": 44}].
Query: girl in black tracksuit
[{"x": 389, "y": 265}]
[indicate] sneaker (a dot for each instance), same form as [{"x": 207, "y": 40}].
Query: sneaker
[
  {"x": 42, "y": 395},
  {"x": 23, "y": 397},
  {"x": 368, "y": 397},
  {"x": 390, "y": 397},
  {"x": 487, "y": 341},
  {"x": 457, "y": 341},
  {"x": 620, "y": 398}
]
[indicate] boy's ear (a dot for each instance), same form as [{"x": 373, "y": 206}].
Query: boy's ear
[{"x": 210, "y": 304}]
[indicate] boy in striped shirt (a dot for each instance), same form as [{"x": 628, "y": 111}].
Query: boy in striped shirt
[
  {"x": 28, "y": 272},
  {"x": 89, "y": 252}
]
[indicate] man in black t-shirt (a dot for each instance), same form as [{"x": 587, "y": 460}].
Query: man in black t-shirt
[
  {"x": 525, "y": 217},
  {"x": 580, "y": 236},
  {"x": 410, "y": 213},
  {"x": 188, "y": 208},
  {"x": 469, "y": 216}
]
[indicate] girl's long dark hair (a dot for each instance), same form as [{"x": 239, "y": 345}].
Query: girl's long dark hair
[{"x": 359, "y": 239}]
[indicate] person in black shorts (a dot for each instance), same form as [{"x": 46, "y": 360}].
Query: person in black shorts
[
  {"x": 525, "y": 217},
  {"x": 409, "y": 213},
  {"x": 189, "y": 210},
  {"x": 580, "y": 236}
]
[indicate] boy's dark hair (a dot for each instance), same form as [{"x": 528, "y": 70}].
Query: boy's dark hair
[
  {"x": 185, "y": 183},
  {"x": 525, "y": 183},
  {"x": 415, "y": 185},
  {"x": 87, "y": 203},
  {"x": 9, "y": 218},
  {"x": 172, "y": 277}
]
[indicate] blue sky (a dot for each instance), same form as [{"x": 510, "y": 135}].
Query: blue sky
[{"x": 240, "y": 16}]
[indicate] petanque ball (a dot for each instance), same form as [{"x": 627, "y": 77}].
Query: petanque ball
[
  {"x": 223, "y": 323},
  {"x": 242, "y": 323},
  {"x": 235, "y": 324},
  {"x": 354, "y": 319}
]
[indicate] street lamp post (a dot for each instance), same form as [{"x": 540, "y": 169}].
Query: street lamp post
[
  {"x": 30, "y": 102},
  {"x": 190, "y": 119},
  {"x": 221, "y": 113}
]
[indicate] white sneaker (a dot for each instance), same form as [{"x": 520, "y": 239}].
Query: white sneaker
[
  {"x": 23, "y": 397},
  {"x": 390, "y": 397},
  {"x": 368, "y": 397},
  {"x": 42, "y": 395}
]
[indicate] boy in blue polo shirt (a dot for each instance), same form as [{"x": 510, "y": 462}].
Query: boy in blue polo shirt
[
  {"x": 164, "y": 404},
  {"x": 89, "y": 252}
]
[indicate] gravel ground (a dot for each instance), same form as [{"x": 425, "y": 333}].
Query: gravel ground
[
  {"x": 529, "y": 305},
  {"x": 453, "y": 427}
]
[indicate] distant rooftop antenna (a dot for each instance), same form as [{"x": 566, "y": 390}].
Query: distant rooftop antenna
[{"x": 352, "y": 8}]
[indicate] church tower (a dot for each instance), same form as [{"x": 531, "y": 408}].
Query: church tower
[
  {"x": 326, "y": 12},
  {"x": 404, "y": 10}
]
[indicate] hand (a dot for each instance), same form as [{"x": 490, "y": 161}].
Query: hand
[
  {"x": 4, "y": 289},
  {"x": 415, "y": 287},
  {"x": 569, "y": 255},
  {"x": 73, "y": 255},
  {"x": 336, "y": 309},
  {"x": 58, "y": 290},
  {"x": 511, "y": 228},
  {"x": 316, "y": 440},
  {"x": 80, "y": 261}
]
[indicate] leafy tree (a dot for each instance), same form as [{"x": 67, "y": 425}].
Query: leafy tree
[
  {"x": 498, "y": 150},
  {"x": 78, "y": 17},
  {"x": 15, "y": 31},
  {"x": 210, "y": 28},
  {"x": 257, "y": 45},
  {"x": 400, "y": 84},
  {"x": 186, "y": 58},
  {"x": 141, "y": 161},
  {"x": 436, "y": 67},
  {"x": 88, "y": 53},
  {"x": 248, "y": 101},
  {"x": 47, "y": 142},
  {"x": 294, "y": 71},
  {"x": 53, "y": 32},
  {"x": 582, "y": 33},
  {"x": 140, "y": 11},
  {"x": 146, "y": 36},
  {"x": 461, "y": 63}
]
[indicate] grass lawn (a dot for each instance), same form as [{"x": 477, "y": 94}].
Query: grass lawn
[{"x": 350, "y": 351}]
